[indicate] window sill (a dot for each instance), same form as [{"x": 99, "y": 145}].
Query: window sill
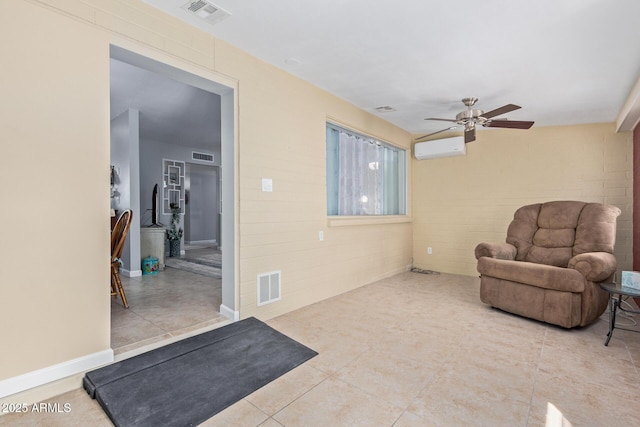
[{"x": 342, "y": 221}]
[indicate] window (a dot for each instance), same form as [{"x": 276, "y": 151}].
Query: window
[{"x": 364, "y": 176}]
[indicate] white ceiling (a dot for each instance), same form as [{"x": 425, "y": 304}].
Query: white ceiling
[
  {"x": 170, "y": 111},
  {"x": 563, "y": 61}
]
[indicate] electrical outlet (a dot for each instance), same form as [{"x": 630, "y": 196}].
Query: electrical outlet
[
  {"x": 320, "y": 235},
  {"x": 429, "y": 250}
]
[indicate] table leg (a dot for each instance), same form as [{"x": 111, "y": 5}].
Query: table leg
[{"x": 613, "y": 306}]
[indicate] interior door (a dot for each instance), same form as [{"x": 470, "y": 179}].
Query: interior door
[{"x": 203, "y": 204}]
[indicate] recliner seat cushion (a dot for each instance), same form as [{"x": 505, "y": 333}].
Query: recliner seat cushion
[{"x": 539, "y": 275}]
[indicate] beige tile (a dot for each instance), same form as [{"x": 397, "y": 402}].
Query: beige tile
[
  {"x": 206, "y": 324},
  {"x": 591, "y": 336},
  {"x": 240, "y": 414},
  {"x": 134, "y": 329},
  {"x": 333, "y": 357},
  {"x": 284, "y": 390},
  {"x": 336, "y": 346},
  {"x": 456, "y": 397},
  {"x": 548, "y": 416},
  {"x": 631, "y": 339},
  {"x": 588, "y": 359},
  {"x": 170, "y": 319},
  {"x": 617, "y": 374},
  {"x": 633, "y": 348},
  {"x": 499, "y": 377},
  {"x": 388, "y": 375},
  {"x": 412, "y": 349},
  {"x": 171, "y": 303},
  {"x": 408, "y": 419},
  {"x": 520, "y": 350},
  {"x": 140, "y": 342},
  {"x": 585, "y": 403},
  {"x": 335, "y": 402},
  {"x": 271, "y": 423},
  {"x": 429, "y": 345}
]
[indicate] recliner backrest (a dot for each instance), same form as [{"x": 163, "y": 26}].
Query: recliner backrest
[{"x": 552, "y": 233}]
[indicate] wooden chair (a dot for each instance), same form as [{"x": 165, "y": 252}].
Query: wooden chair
[{"x": 118, "y": 236}]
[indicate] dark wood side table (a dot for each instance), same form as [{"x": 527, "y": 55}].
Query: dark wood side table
[{"x": 615, "y": 304}]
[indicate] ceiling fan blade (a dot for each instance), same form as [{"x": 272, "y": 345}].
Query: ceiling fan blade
[
  {"x": 469, "y": 135},
  {"x": 435, "y": 133},
  {"x": 442, "y": 120},
  {"x": 500, "y": 111},
  {"x": 511, "y": 124}
]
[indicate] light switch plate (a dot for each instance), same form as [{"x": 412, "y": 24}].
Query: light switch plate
[{"x": 267, "y": 185}]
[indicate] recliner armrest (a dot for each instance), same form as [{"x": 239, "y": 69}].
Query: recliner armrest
[
  {"x": 594, "y": 266},
  {"x": 496, "y": 250}
]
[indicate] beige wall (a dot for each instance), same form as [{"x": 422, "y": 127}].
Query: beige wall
[
  {"x": 282, "y": 137},
  {"x": 54, "y": 133},
  {"x": 462, "y": 201},
  {"x": 55, "y": 143}
]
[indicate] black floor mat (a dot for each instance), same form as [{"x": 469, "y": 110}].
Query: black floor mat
[{"x": 189, "y": 381}]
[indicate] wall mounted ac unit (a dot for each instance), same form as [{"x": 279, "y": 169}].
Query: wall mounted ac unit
[{"x": 445, "y": 147}]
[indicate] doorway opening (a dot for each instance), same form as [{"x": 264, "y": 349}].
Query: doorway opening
[
  {"x": 201, "y": 222},
  {"x": 164, "y": 114}
]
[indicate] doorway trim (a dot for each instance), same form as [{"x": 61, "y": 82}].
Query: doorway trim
[{"x": 178, "y": 69}]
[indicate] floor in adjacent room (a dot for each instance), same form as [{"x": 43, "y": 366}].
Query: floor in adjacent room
[
  {"x": 171, "y": 303},
  {"x": 422, "y": 350}
]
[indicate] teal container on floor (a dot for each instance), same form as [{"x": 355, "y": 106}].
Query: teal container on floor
[{"x": 150, "y": 265}]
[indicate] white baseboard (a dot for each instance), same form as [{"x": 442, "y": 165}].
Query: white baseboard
[
  {"x": 201, "y": 242},
  {"x": 229, "y": 313},
  {"x": 168, "y": 254},
  {"x": 133, "y": 273},
  {"x": 52, "y": 373}
]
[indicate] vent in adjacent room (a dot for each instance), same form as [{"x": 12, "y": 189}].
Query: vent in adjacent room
[
  {"x": 202, "y": 157},
  {"x": 268, "y": 287},
  {"x": 207, "y": 11}
]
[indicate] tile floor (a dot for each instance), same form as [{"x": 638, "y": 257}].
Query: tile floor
[
  {"x": 422, "y": 350},
  {"x": 162, "y": 306}
]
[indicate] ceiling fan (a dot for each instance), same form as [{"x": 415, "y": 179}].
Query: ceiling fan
[{"x": 470, "y": 118}]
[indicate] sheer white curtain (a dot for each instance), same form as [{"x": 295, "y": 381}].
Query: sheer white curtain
[
  {"x": 361, "y": 176},
  {"x": 364, "y": 176}
]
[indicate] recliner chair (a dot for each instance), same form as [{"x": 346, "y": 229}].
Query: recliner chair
[{"x": 555, "y": 255}]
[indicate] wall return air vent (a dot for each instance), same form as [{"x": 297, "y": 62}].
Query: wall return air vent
[
  {"x": 268, "y": 287},
  {"x": 202, "y": 157},
  {"x": 206, "y": 11}
]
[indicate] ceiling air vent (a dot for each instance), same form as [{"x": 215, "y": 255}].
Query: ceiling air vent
[
  {"x": 202, "y": 157},
  {"x": 384, "y": 109},
  {"x": 207, "y": 11}
]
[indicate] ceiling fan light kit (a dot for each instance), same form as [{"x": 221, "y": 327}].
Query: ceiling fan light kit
[{"x": 470, "y": 118}]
